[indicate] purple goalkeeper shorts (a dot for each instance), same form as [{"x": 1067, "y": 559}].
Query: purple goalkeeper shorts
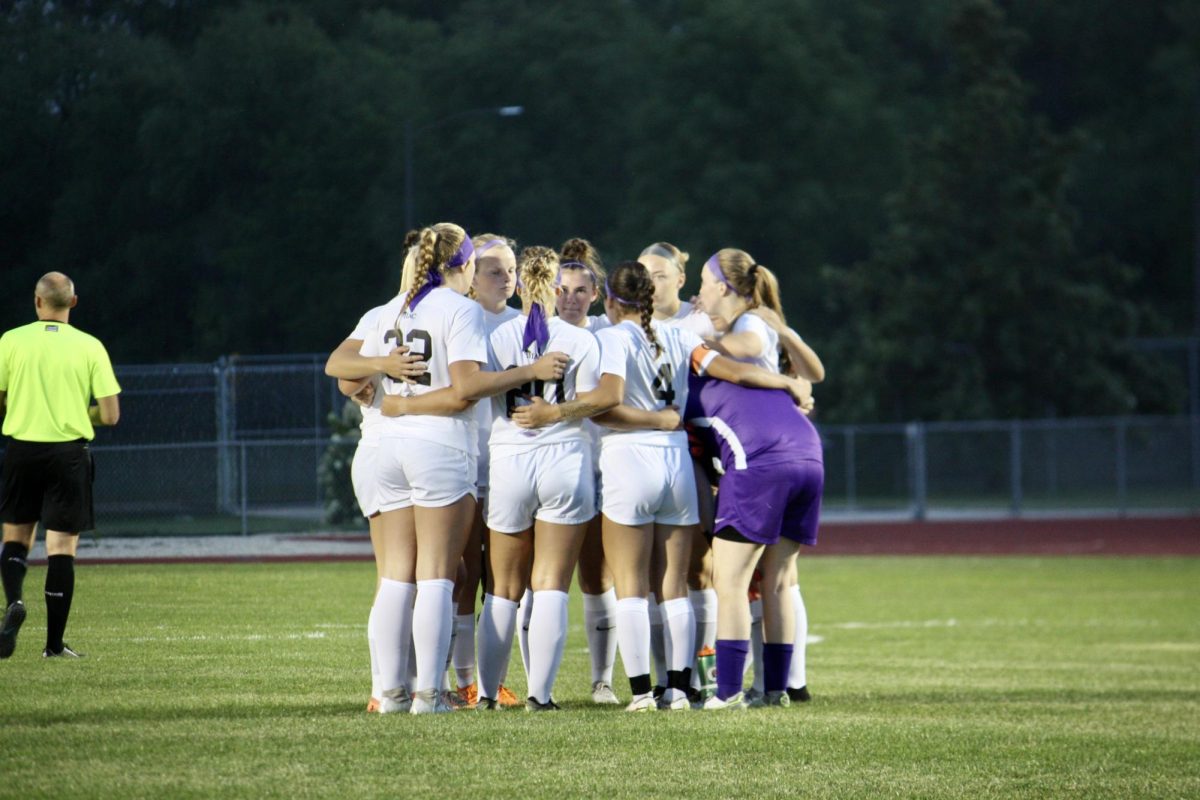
[{"x": 765, "y": 502}]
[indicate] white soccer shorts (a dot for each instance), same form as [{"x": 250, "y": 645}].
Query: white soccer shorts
[
  {"x": 418, "y": 472},
  {"x": 364, "y": 477},
  {"x": 648, "y": 483},
  {"x": 552, "y": 483}
]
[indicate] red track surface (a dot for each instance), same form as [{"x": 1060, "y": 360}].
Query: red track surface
[{"x": 1133, "y": 536}]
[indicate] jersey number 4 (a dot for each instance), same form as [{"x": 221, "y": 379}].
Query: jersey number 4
[{"x": 664, "y": 384}]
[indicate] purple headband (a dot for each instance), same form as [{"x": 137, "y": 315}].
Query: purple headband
[
  {"x": 575, "y": 265},
  {"x": 714, "y": 266},
  {"x": 462, "y": 255},
  {"x": 434, "y": 279},
  {"x": 488, "y": 245},
  {"x": 608, "y": 291},
  {"x": 537, "y": 330}
]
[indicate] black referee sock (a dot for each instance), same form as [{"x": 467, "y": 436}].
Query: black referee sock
[
  {"x": 12, "y": 570},
  {"x": 60, "y": 586}
]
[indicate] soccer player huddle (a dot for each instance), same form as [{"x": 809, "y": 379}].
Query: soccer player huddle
[{"x": 514, "y": 448}]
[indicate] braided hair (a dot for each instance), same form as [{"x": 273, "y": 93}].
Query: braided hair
[
  {"x": 435, "y": 246},
  {"x": 629, "y": 284}
]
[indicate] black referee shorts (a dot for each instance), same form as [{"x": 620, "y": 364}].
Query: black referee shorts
[{"x": 50, "y": 482}]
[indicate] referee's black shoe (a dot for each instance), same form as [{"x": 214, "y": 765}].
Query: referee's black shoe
[
  {"x": 66, "y": 652},
  {"x": 14, "y": 617}
]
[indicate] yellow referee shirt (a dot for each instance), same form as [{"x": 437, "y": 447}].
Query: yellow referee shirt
[{"x": 51, "y": 372}]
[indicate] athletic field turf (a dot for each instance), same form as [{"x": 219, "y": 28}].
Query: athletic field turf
[{"x": 955, "y": 677}]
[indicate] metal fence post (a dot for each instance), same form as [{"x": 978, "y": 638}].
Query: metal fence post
[
  {"x": 224, "y": 435},
  {"x": 1015, "y": 467},
  {"x": 1122, "y": 467},
  {"x": 851, "y": 470},
  {"x": 245, "y": 483},
  {"x": 915, "y": 437}
]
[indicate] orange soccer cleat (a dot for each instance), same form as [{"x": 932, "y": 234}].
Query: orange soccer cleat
[
  {"x": 506, "y": 698},
  {"x": 469, "y": 693}
]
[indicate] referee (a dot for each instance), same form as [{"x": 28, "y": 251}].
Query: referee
[{"x": 49, "y": 373}]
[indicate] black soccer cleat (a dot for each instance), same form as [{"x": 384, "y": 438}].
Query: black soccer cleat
[
  {"x": 14, "y": 618},
  {"x": 533, "y": 704},
  {"x": 486, "y": 704},
  {"x": 800, "y": 695},
  {"x": 66, "y": 652}
]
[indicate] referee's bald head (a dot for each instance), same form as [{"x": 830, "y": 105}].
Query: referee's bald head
[{"x": 56, "y": 290}]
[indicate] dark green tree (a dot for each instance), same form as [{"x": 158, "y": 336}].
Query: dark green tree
[{"x": 977, "y": 301}]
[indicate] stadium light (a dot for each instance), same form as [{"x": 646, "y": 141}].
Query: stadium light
[{"x": 410, "y": 133}]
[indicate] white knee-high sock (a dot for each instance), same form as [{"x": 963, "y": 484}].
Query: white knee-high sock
[
  {"x": 756, "y": 643},
  {"x": 633, "y": 635},
  {"x": 371, "y": 618},
  {"x": 497, "y": 623},
  {"x": 798, "y": 675},
  {"x": 525, "y": 611},
  {"x": 444, "y": 676},
  {"x": 547, "y": 638},
  {"x": 393, "y": 632},
  {"x": 657, "y": 647},
  {"x": 600, "y": 622},
  {"x": 464, "y": 650},
  {"x": 433, "y": 618},
  {"x": 679, "y": 631},
  {"x": 704, "y": 605}
]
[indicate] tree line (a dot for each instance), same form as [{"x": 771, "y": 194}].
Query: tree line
[{"x": 975, "y": 207}]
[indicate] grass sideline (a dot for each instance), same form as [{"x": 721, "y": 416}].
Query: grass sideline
[{"x": 934, "y": 677}]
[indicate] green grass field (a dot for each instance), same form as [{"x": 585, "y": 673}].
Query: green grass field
[{"x": 933, "y": 677}]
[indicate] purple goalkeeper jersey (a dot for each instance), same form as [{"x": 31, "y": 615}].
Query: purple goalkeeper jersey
[{"x": 763, "y": 426}]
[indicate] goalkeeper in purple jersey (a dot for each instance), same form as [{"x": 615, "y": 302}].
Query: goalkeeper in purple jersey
[{"x": 768, "y": 505}]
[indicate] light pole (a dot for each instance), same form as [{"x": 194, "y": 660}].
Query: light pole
[{"x": 410, "y": 133}]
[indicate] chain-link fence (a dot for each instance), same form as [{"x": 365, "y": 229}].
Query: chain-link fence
[{"x": 239, "y": 446}]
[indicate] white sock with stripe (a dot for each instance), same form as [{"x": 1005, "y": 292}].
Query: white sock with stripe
[
  {"x": 633, "y": 635},
  {"x": 679, "y": 631},
  {"x": 600, "y": 623}
]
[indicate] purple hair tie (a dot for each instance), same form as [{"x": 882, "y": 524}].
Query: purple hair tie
[
  {"x": 608, "y": 291},
  {"x": 432, "y": 282},
  {"x": 714, "y": 267},
  {"x": 537, "y": 330}
]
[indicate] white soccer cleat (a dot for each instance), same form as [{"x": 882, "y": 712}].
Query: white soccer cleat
[
  {"x": 429, "y": 701},
  {"x": 395, "y": 701},
  {"x": 643, "y": 702},
  {"x": 714, "y": 703},
  {"x": 603, "y": 694}
]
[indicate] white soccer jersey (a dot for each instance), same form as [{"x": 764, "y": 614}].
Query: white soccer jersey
[
  {"x": 768, "y": 357},
  {"x": 483, "y": 409},
  {"x": 445, "y": 327},
  {"x": 371, "y": 415},
  {"x": 597, "y": 323},
  {"x": 582, "y": 375},
  {"x": 691, "y": 318},
  {"x": 651, "y": 383}
]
